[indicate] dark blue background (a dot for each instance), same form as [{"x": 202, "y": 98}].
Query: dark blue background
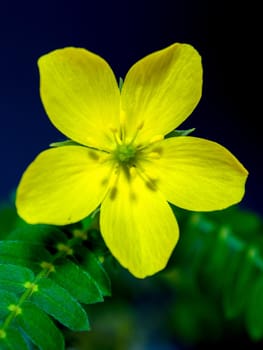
[{"x": 228, "y": 39}]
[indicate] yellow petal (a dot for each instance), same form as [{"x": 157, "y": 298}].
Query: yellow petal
[
  {"x": 161, "y": 90},
  {"x": 80, "y": 95},
  {"x": 63, "y": 185},
  {"x": 138, "y": 226},
  {"x": 197, "y": 174}
]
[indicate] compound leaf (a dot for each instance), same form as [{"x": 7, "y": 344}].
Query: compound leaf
[
  {"x": 13, "y": 340},
  {"x": 13, "y": 277},
  {"x": 77, "y": 282},
  {"x": 57, "y": 302},
  {"x": 40, "y": 328}
]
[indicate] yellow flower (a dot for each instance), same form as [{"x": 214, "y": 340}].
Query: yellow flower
[{"x": 120, "y": 159}]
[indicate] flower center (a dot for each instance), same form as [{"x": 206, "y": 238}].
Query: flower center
[{"x": 125, "y": 154}]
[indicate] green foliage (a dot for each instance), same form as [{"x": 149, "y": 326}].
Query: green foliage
[
  {"x": 39, "y": 328},
  {"x": 13, "y": 277},
  {"x": 58, "y": 302},
  {"x": 121, "y": 81},
  {"x": 219, "y": 264},
  {"x": 14, "y": 340},
  {"x": 176, "y": 132},
  {"x": 47, "y": 276},
  {"x": 65, "y": 143},
  {"x": 50, "y": 277}
]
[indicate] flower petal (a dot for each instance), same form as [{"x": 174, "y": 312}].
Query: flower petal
[
  {"x": 63, "y": 185},
  {"x": 161, "y": 90},
  {"x": 138, "y": 226},
  {"x": 197, "y": 174},
  {"x": 80, "y": 95}
]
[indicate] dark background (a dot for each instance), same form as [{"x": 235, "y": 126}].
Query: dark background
[{"x": 226, "y": 33}]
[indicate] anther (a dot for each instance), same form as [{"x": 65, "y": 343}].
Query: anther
[
  {"x": 154, "y": 155},
  {"x": 116, "y": 136},
  {"x": 138, "y": 129},
  {"x": 149, "y": 177}
]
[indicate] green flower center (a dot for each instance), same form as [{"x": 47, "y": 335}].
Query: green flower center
[{"x": 125, "y": 154}]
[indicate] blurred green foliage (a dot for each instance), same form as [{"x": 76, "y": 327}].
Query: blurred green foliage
[{"x": 210, "y": 294}]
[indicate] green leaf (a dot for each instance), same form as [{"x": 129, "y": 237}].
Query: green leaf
[
  {"x": 237, "y": 288},
  {"x": 48, "y": 235},
  {"x": 77, "y": 282},
  {"x": 93, "y": 266},
  {"x": 13, "y": 340},
  {"x": 244, "y": 223},
  {"x": 40, "y": 328},
  {"x": 22, "y": 253},
  {"x": 57, "y": 302},
  {"x": 196, "y": 243},
  {"x": 254, "y": 314},
  {"x": 88, "y": 221},
  {"x": 176, "y": 132},
  {"x": 224, "y": 245},
  {"x": 65, "y": 143},
  {"x": 120, "y": 83},
  {"x": 13, "y": 277},
  {"x": 6, "y": 299}
]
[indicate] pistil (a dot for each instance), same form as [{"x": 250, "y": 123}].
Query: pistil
[{"x": 125, "y": 154}]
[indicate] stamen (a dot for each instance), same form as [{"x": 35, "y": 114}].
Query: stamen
[
  {"x": 138, "y": 129},
  {"x": 154, "y": 139},
  {"x": 149, "y": 178},
  {"x": 105, "y": 158},
  {"x": 154, "y": 155},
  {"x": 116, "y": 136}
]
